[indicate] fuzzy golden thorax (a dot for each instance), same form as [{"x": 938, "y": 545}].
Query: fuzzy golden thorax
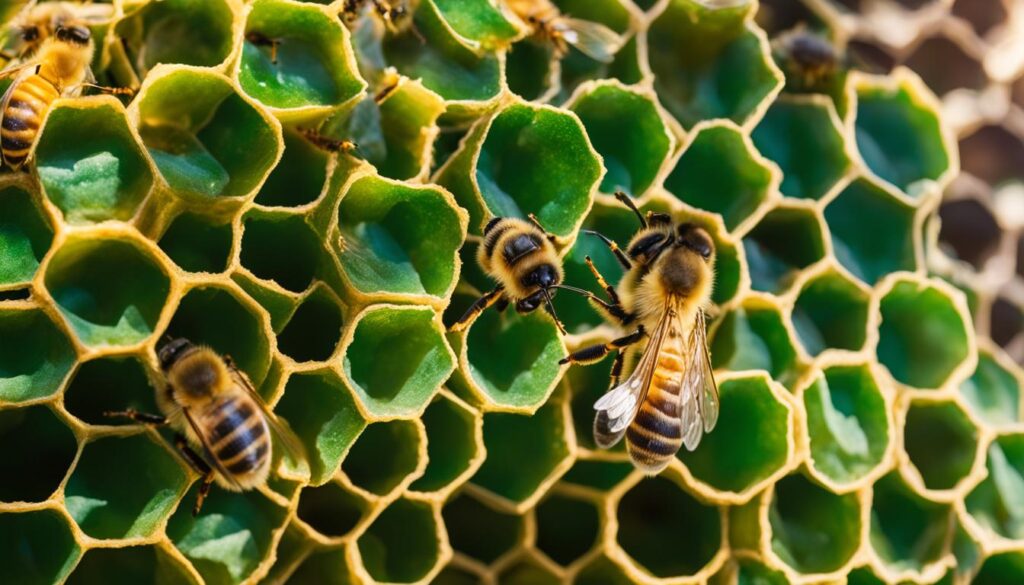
[
  {"x": 64, "y": 59},
  {"x": 197, "y": 376}
]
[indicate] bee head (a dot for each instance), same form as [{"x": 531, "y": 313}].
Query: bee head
[
  {"x": 544, "y": 276},
  {"x": 30, "y": 33},
  {"x": 74, "y": 34},
  {"x": 172, "y": 351},
  {"x": 696, "y": 239}
]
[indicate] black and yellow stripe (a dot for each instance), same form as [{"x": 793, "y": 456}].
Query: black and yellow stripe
[
  {"x": 29, "y": 101},
  {"x": 655, "y": 435},
  {"x": 239, "y": 439}
]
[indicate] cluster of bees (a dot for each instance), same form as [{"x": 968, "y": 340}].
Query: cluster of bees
[{"x": 222, "y": 426}]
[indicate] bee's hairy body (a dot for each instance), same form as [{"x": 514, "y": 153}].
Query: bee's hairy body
[{"x": 520, "y": 257}]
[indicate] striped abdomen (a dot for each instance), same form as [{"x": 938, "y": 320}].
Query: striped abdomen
[
  {"x": 239, "y": 439},
  {"x": 655, "y": 435},
  {"x": 29, "y": 101}
]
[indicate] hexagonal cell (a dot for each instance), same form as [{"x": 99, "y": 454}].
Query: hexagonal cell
[
  {"x": 831, "y": 312},
  {"x": 941, "y": 442},
  {"x": 721, "y": 172},
  {"x": 314, "y": 329},
  {"x": 108, "y": 384},
  {"x": 698, "y": 53},
  {"x": 479, "y": 531},
  {"x": 1000, "y": 569},
  {"x": 25, "y": 236},
  {"x": 40, "y": 450},
  {"x": 123, "y": 487},
  {"x": 805, "y": 139},
  {"x": 908, "y": 532},
  {"x": 753, "y": 337},
  {"x": 476, "y": 21},
  {"x": 995, "y": 504},
  {"x": 325, "y": 417},
  {"x": 396, "y": 359},
  {"x": 847, "y": 423},
  {"x": 133, "y": 564},
  {"x": 280, "y": 247},
  {"x": 751, "y": 442},
  {"x": 486, "y": 174},
  {"x": 567, "y": 527},
  {"x": 105, "y": 177},
  {"x": 781, "y": 245},
  {"x": 331, "y": 509},
  {"x": 231, "y": 536},
  {"x": 983, "y": 15},
  {"x": 206, "y": 140},
  {"x": 453, "y": 447},
  {"x": 898, "y": 133},
  {"x": 968, "y": 231},
  {"x": 944, "y": 65},
  {"x": 35, "y": 366},
  {"x": 398, "y": 238},
  {"x": 529, "y": 69},
  {"x": 598, "y": 475},
  {"x": 527, "y": 571},
  {"x": 366, "y": 469},
  {"x": 813, "y": 530},
  {"x": 633, "y": 154},
  {"x": 192, "y": 32},
  {"x": 506, "y": 473},
  {"x": 402, "y": 545},
  {"x": 651, "y": 513},
  {"x": 197, "y": 243},
  {"x": 923, "y": 337},
  {"x": 993, "y": 391},
  {"x": 110, "y": 287},
  {"x": 38, "y": 547},
  {"x": 992, "y": 154},
  {"x": 300, "y": 58},
  {"x": 1005, "y": 322},
  {"x": 298, "y": 178},
  {"x": 887, "y": 247}
]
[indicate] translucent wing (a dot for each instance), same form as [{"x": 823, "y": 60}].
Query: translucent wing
[
  {"x": 594, "y": 40},
  {"x": 698, "y": 396},
  {"x": 208, "y": 450},
  {"x": 702, "y": 363},
  {"x": 286, "y": 437}
]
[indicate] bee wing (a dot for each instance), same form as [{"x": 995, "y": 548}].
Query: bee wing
[
  {"x": 286, "y": 436},
  {"x": 593, "y": 39},
  {"x": 709, "y": 387},
  {"x": 208, "y": 450},
  {"x": 698, "y": 397}
]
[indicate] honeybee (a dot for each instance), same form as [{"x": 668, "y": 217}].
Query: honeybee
[
  {"x": 215, "y": 410},
  {"x": 670, "y": 399},
  {"x": 592, "y": 39},
  {"x": 807, "y": 57},
  {"x": 520, "y": 255},
  {"x": 259, "y": 39},
  {"x": 327, "y": 143},
  {"x": 37, "y": 22}
]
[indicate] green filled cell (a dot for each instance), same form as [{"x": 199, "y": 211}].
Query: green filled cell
[
  {"x": 38, "y": 547},
  {"x": 908, "y": 532},
  {"x": 993, "y": 391},
  {"x": 997, "y": 504},
  {"x": 812, "y": 529},
  {"x": 452, "y": 444},
  {"x": 401, "y": 545},
  {"x": 37, "y": 364},
  {"x": 190, "y": 32},
  {"x": 781, "y": 246},
  {"x": 25, "y": 236},
  {"x": 368, "y": 470},
  {"x": 941, "y": 443},
  {"x": 754, "y": 337},
  {"x": 197, "y": 243},
  {"x": 831, "y": 312}
]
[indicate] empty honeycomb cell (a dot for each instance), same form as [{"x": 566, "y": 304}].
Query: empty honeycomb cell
[
  {"x": 526, "y": 571},
  {"x": 996, "y": 504},
  {"x": 331, "y": 509},
  {"x": 869, "y": 254},
  {"x": 511, "y": 361},
  {"x": 530, "y": 69},
  {"x": 567, "y": 528},
  {"x": 753, "y": 571},
  {"x": 908, "y": 532},
  {"x": 993, "y": 391},
  {"x": 479, "y": 531},
  {"x": 652, "y": 513},
  {"x": 707, "y": 63},
  {"x": 197, "y": 243},
  {"x": 454, "y": 445},
  {"x": 109, "y": 286},
  {"x": 37, "y": 364},
  {"x": 487, "y": 176},
  {"x": 232, "y": 535},
  {"x": 804, "y": 137},
  {"x": 847, "y": 423},
  {"x": 402, "y": 546},
  {"x": 476, "y": 21},
  {"x": 207, "y": 141},
  {"x": 109, "y": 384},
  {"x": 813, "y": 530},
  {"x": 992, "y": 153},
  {"x": 831, "y": 312},
  {"x": 983, "y": 15},
  {"x": 781, "y": 245},
  {"x": 385, "y": 456},
  {"x": 922, "y": 337},
  {"x": 1006, "y": 321},
  {"x": 325, "y": 417},
  {"x": 941, "y": 443},
  {"x": 398, "y": 239},
  {"x": 396, "y": 359},
  {"x": 968, "y": 231},
  {"x": 38, "y": 547},
  {"x": 105, "y": 177},
  {"x": 280, "y": 247},
  {"x": 39, "y": 452},
  {"x": 944, "y": 65},
  {"x": 124, "y": 487},
  {"x": 753, "y": 336},
  {"x": 25, "y": 236},
  {"x": 1001, "y": 568},
  {"x": 721, "y": 172},
  {"x": 506, "y": 473},
  {"x": 633, "y": 154},
  {"x": 128, "y": 565},
  {"x": 297, "y": 59},
  {"x": 752, "y": 442},
  {"x": 299, "y": 178},
  {"x": 597, "y": 475},
  {"x": 898, "y": 132},
  {"x": 192, "y": 32},
  {"x": 314, "y": 329}
]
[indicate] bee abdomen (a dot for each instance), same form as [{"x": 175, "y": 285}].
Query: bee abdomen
[
  {"x": 22, "y": 116},
  {"x": 655, "y": 435},
  {"x": 239, "y": 439}
]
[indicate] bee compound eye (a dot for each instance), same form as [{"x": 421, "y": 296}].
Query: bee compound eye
[{"x": 30, "y": 33}]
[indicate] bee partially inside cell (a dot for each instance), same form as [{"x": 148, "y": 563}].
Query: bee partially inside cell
[{"x": 548, "y": 24}]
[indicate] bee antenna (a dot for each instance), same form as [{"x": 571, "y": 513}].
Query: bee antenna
[
  {"x": 578, "y": 291},
  {"x": 551, "y": 309},
  {"x": 622, "y": 197}
]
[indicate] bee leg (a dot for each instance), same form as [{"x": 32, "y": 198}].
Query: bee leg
[
  {"x": 619, "y": 254},
  {"x": 594, "y": 353},
  {"x": 111, "y": 90},
  {"x": 612, "y": 295},
  {"x": 620, "y": 357},
  {"x": 478, "y": 307},
  {"x": 536, "y": 223},
  {"x": 327, "y": 143},
  {"x": 139, "y": 417},
  {"x": 204, "y": 490}
]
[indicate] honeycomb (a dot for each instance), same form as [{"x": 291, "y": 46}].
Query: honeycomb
[{"x": 868, "y": 434}]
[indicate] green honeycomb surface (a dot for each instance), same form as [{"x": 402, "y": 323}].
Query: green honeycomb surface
[{"x": 868, "y": 434}]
